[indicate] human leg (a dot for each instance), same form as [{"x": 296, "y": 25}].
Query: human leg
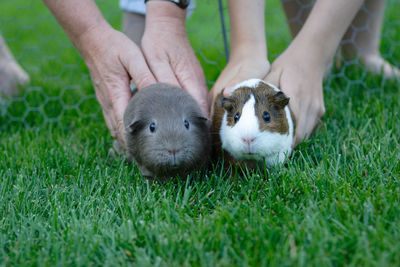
[
  {"x": 296, "y": 12},
  {"x": 11, "y": 73},
  {"x": 362, "y": 39}
]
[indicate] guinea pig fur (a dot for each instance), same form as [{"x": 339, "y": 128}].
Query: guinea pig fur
[
  {"x": 253, "y": 124},
  {"x": 167, "y": 134}
]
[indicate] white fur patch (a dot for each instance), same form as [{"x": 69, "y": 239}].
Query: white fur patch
[
  {"x": 246, "y": 127},
  {"x": 291, "y": 127},
  {"x": 252, "y": 83}
]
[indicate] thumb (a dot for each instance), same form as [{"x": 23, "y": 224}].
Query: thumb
[
  {"x": 120, "y": 99},
  {"x": 274, "y": 77},
  {"x": 231, "y": 84},
  {"x": 135, "y": 64},
  {"x": 197, "y": 88},
  {"x": 137, "y": 68}
]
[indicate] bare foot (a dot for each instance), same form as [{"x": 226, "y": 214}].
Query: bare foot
[
  {"x": 377, "y": 65},
  {"x": 11, "y": 73},
  {"x": 11, "y": 76}
]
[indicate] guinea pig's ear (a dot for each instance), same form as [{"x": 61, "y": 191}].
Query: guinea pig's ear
[
  {"x": 280, "y": 99},
  {"x": 225, "y": 102},
  {"x": 133, "y": 127},
  {"x": 204, "y": 120}
]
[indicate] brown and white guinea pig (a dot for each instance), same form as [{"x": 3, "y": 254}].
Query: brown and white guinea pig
[
  {"x": 254, "y": 124},
  {"x": 167, "y": 134}
]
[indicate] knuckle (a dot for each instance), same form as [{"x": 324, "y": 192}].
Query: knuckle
[
  {"x": 143, "y": 80},
  {"x": 121, "y": 127}
]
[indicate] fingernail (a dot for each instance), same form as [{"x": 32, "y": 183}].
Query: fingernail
[{"x": 228, "y": 91}]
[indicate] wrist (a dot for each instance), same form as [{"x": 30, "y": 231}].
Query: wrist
[
  {"x": 311, "y": 51},
  {"x": 249, "y": 51},
  {"x": 181, "y": 3},
  {"x": 88, "y": 42},
  {"x": 304, "y": 60},
  {"x": 165, "y": 12}
]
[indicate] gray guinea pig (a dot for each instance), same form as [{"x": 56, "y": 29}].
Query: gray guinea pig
[{"x": 167, "y": 134}]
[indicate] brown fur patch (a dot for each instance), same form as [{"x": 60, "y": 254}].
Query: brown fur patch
[
  {"x": 266, "y": 100},
  {"x": 237, "y": 100}
]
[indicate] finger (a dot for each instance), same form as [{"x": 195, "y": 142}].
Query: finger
[
  {"x": 110, "y": 123},
  {"x": 300, "y": 132},
  {"x": 115, "y": 126},
  {"x": 161, "y": 68},
  {"x": 232, "y": 83},
  {"x": 257, "y": 73},
  {"x": 306, "y": 126},
  {"x": 119, "y": 109},
  {"x": 197, "y": 88},
  {"x": 163, "y": 72},
  {"x": 311, "y": 126},
  {"x": 137, "y": 68},
  {"x": 121, "y": 132},
  {"x": 221, "y": 82},
  {"x": 274, "y": 77},
  {"x": 119, "y": 99}
]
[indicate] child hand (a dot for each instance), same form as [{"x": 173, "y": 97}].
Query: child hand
[
  {"x": 301, "y": 80},
  {"x": 236, "y": 71}
]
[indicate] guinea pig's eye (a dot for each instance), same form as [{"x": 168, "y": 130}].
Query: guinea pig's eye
[
  {"x": 186, "y": 124},
  {"x": 266, "y": 116},
  {"x": 152, "y": 127},
  {"x": 236, "y": 118}
]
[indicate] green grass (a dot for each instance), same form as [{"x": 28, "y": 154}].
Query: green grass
[{"x": 64, "y": 201}]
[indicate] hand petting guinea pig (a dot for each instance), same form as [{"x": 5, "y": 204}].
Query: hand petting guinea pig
[
  {"x": 167, "y": 134},
  {"x": 253, "y": 125}
]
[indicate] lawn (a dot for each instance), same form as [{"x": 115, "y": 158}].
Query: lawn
[{"x": 65, "y": 201}]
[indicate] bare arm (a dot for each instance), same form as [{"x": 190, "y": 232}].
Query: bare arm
[
  {"x": 76, "y": 16},
  {"x": 324, "y": 28},
  {"x": 247, "y": 27},
  {"x": 299, "y": 70},
  {"x": 248, "y": 46}
]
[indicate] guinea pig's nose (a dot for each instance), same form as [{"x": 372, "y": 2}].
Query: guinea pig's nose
[
  {"x": 248, "y": 140},
  {"x": 173, "y": 151}
]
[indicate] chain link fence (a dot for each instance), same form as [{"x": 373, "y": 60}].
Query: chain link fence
[{"x": 60, "y": 91}]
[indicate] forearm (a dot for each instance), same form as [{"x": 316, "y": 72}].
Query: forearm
[
  {"x": 247, "y": 27},
  {"x": 324, "y": 28},
  {"x": 77, "y": 17}
]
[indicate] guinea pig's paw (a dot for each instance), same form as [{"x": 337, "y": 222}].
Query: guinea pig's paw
[
  {"x": 117, "y": 151},
  {"x": 276, "y": 159}
]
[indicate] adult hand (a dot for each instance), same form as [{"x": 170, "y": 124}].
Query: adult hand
[
  {"x": 168, "y": 52},
  {"x": 301, "y": 80},
  {"x": 113, "y": 60}
]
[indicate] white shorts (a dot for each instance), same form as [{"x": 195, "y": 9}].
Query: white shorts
[{"x": 138, "y": 6}]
